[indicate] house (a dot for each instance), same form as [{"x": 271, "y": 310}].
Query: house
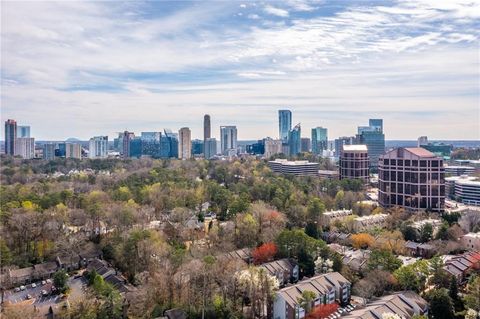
[
  {"x": 328, "y": 288},
  {"x": 336, "y": 237},
  {"x": 414, "y": 249},
  {"x": 286, "y": 270},
  {"x": 356, "y": 259},
  {"x": 69, "y": 262},
  {"x": 460, "y": 266},
  {"x": 404, "y": 304},
  {"x": 471, "y": 241},
  {"x": 44, "y": 270}
]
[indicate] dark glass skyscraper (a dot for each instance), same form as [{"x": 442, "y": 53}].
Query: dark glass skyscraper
[
  {"x": 284, "y": 124},
  {"x": 319, "y": 140},
  {"x": 206, "y": 127},
  {"x": 372, "y": 136},
  {"x": 10, "y": 136},
  {"x": 295, "y": 140}
]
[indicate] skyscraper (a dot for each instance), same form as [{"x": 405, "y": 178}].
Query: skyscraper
[
  {"x": 319, "y": 140},
  {"x": 306, "y": 144},
  {"x": 172, "y": 142},
  {"x": 206, "y": 127},
  {"x": 295, "y": 140},
  {"x": 344, "y": 140},
  {"x": 10, "y": 136},
  {"x": 372, "y": 136},
  {"x": 210, "y": 148},
  {"x": 25, "y": 147},
  {"x": 98, "y": 147},
  {"x": 228, "y": 139},
  {"x": 284, "y": 124},
  {"x": 184, "y": 143},
  {"x": 49, "y": 151},
  {"x": 23, "y": 131},
  {"x": 127, "y": 136}
]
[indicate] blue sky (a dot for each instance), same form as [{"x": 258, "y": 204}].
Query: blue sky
[{"x": 79, "y": 69}]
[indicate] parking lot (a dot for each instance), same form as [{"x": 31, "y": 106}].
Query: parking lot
[{"x": 77, "y": 286}]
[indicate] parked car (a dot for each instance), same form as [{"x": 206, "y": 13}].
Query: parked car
[
  {"x": 54, "y": 289},
  {"x": 49, "y": 281},
  {"x": 34, "y": 285},
  {"x": 28, "y": 297},
  {"x": 23, "y": 287},
  {"x": 44, "y": 292},
  {"x": 44, "y": 282},
  {"x": 17, "y": 289}
]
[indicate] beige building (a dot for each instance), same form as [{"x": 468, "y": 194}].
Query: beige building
[
  {"x": 25, "y": 147},
  {"x": 368, "y": 222},
  {"x": 73, "y": 150},
  {"x": 184, "y": 143},
  {"x": 328, "y": 217},
  {"x": 471, "y": 241},
  {"x": 272, "y": 147}
]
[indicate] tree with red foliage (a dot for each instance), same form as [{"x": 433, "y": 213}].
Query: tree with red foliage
[
  {"x": 264, "y": 253},
  {"x": 322, "y": 311}
]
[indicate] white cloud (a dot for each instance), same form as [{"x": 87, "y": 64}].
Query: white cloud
[
  {"x": 393, "y": 62},
  {"x": 276, "y": 11}
]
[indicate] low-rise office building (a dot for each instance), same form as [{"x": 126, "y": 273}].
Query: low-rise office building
[
  {"x": 459, "y": 170},
  {"x": 298, "y": 168}
]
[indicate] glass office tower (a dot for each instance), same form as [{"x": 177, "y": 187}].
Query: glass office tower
[
  {"x": 372, "y": 136},
  {"x": 284, "y": 124},
  {"x": 295, "y": 140},
  {"x": 319, "y": 140}
]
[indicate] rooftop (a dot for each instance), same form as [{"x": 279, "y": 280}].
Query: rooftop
[
  {"x": 420, "y": 152},
  {"x": 355, "y": 147}
]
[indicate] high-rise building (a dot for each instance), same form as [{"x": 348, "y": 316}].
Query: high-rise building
[
  {"x": 210, "y": 148},
  {"x": 228, "y": 139},
  {"x": 344, "y": 140},
  {"x": 306, "y": 145},
  {"x": 295, "y": 140},
  {"x": 197, "y": 147},
  {"x": 98, "y": 147},
  {"x": 319, "y": 140},
  {"x": 422, "y": 140},
  {"x": 126, "y": 137},
  {"x": 73, "y": 150},
  {"x": 206, "y": 127},
  {"x": 372, "y": 136},
  {"x": 25, "y": 147},
  {"x": 23, "y": 131},
  {"x": 49, "y": 151},
  {"x": 413, "y": 178},
  {"x": 284, "y": 124},
  {"x": 135, "y": 148},
  {"x": 184, "y": 143},
  {"x": 256, "y": 148},
  {"x": 10, "y": 136},
  {"x": 151, "y": 143},
  {"x": 272, "y": 147},
  {"x": 172, "y": 139},
  {"x": 353, "y": 162}
]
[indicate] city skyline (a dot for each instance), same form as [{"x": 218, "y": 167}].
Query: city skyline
[{"x": 92, "y": 70}]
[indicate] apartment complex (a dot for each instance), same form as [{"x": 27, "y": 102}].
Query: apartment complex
[
  {"x": 328, "y": 288},
  {"x": 354, "y": 162},
  {"x": 98, "y": 147},
  {"x": 413, "y": 178},
  {"x": 298, "y": 168},
  {"x": 471, "y": 241},
  {"x": 362, "y": 223}
]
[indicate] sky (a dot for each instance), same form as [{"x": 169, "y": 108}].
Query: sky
[{"x": 82, "y": 69}]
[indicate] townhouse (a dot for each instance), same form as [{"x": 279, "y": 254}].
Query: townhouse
[
  {"x": 404, "y": 304},
  {"x": 461, "y": 266},
  {"x": 286, "y": 270},
  {"x": 328, "y": 288}
]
